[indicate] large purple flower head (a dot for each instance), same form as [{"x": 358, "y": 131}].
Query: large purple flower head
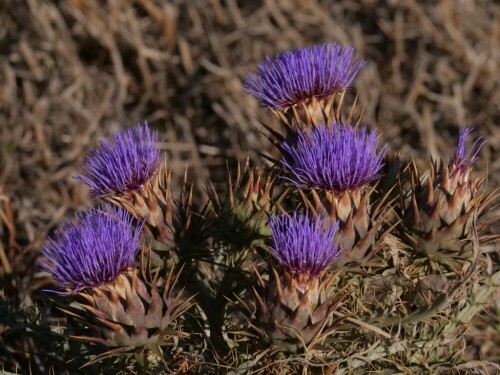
[
  {"x": 303, "y": 243},
  {"x": 298, "y": 76},
  {"x": 115, "y": 168},
  {"x": 462, "y": 159},
  {"x": 101, "y": 245},
  {"x": 336, "y": 157}
]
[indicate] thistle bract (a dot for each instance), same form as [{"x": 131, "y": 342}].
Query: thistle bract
[
  {"x": 336, "y": 158},
  {"x": 302, "y": 243},
  {"x": 115, "y": 168},
  {"x": 95, "y": 250},
  {"x": 298, "y": 76}
]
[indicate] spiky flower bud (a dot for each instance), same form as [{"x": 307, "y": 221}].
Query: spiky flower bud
[
  {"x": 331, "y": 166},
  {"x": 94, "y": 251},
  {"x": 295, "y": 304},
  {"x": 241, "y": 216},
  {"x": 125, "y": 165},
  {"x": 93, "y": 261},
  {"x": 439, "y": 213},
  {"x": 306, "y": 77}
]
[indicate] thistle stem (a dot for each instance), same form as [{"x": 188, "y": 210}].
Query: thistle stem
[{"x": 208, "y": 304}]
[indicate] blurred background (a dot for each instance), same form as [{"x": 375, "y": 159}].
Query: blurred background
[{"x": 72, "y": 72}]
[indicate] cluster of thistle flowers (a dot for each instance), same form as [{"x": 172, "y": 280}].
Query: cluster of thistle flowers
[
  {"x": 102, "y": 261},
  {"x": 293, "y": 228}
]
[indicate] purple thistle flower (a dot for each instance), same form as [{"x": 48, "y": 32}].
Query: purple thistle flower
[
  {"x": 297, "y": 76},
  {"x": 463, "y": 160},
  {"x": 303, "y": 243},
  {"x": 115, "y": 168},
  {"x": 336, "y": 158},
  {"x": 95, "y": 250}
]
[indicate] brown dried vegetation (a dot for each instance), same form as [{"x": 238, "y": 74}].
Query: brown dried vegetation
[{"x": 73, "y": 71}]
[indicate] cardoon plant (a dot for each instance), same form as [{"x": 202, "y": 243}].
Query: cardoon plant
[
  {"x": 350, "y": 281},
  {"x": 123, "y": 165},
  {"x": 305, "y": 79},
  {"x": 296, "y": 303},
  {"x": 302, "y": 244},
  {"x": 334, "y": 157},
  {"x": 95, "y": 251},
  {"x": 335, "y": 163},
  {"x": 94, "y": 261}
]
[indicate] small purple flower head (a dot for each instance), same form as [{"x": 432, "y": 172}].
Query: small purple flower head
[
  {"x": 337, "y": 158},
  {"x": 303, "y": 243},
  {"x": 463, "y": 160},
  {"x": 115, "y": 168},
  {"x": 94, "y": 250},
  {"x": 298, "y": 76}
]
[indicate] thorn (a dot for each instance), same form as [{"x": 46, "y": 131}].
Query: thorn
[
  {"x": 261, "y": 304},
  {"x": 361, "y": 115},
  {"x": 305, "y": 109},
  {"x": 445, "y": 183},
  {"x": 430, "y": 191},
  {"x": 416, "y": 214},
  {"x": 279, "y": 288},
  {"x": 339, "y": 106},
  {"x": 213, "y": 193},
  {"x": 349, "y": 118}
]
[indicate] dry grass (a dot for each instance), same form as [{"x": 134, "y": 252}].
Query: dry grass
[{"x": 73, "y": 71}]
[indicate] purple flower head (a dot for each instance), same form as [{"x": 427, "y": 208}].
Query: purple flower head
[
  {"x": 336, "y": 158},
  {"x": 297, "y": 76},
  {"x": 303, "y": 243},
  {"x": 115, "y": 168},
  {"x": 95, "y": 250},
  {"x": 463, "y": 160}
]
